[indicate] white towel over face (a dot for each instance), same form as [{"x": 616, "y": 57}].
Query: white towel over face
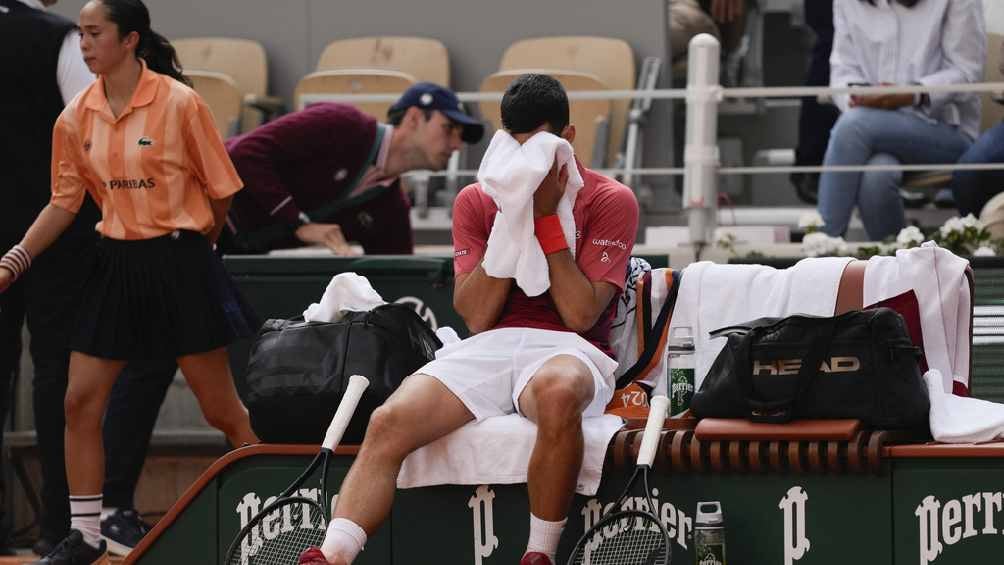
[{"x": 510, "y": 173}]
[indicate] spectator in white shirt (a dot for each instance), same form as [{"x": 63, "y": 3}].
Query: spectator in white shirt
[{"x": 898, "y": 42}]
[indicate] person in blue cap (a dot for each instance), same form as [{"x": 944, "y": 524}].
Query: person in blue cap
[{"x": 330, "y": 174}]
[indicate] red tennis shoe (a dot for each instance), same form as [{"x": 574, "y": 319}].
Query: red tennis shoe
[
  {"x": 313, "y": 556},
  {"x": 533, "y": 558}
]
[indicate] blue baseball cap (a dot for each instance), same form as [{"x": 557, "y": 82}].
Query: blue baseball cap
[{"x": 431, "y": 96}]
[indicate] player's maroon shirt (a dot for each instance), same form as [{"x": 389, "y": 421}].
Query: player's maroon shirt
[{"x": 606, "y": 220}]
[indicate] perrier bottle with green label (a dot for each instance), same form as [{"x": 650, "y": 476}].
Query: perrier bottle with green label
[
  {"x": 680, "y": 365},
  {"x": 709, "y": 534}
]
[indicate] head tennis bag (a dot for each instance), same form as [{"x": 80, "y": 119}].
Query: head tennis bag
[
  {"x": 298, "y": 370},
  {"x": 861, "y": 365}
]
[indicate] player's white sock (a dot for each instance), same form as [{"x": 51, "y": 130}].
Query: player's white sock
[
  {"x": 85, "y": 515},
  {"x": 544, "y": 536},
  {"x": 344, "y": 539}
]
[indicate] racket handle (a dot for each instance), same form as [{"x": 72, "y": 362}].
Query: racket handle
[
  {"x": 347, "y": 407},
  {"x": 653, "y": 427}
]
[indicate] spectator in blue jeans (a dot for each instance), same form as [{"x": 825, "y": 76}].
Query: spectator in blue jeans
[
  {"x": 973, "y": 189},
  {"x": 901, "y": 42}
]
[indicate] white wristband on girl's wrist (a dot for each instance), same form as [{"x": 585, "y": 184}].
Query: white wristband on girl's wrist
[{"x": 17, "y": 260}]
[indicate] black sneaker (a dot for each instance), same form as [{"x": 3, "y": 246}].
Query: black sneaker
[
  {"x": 122, "y": 530},
  {"x": 74, "y": 551},
  {"x": 806, "y": 186}
]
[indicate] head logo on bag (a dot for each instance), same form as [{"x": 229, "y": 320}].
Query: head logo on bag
[{"x": 792, "y": 366}]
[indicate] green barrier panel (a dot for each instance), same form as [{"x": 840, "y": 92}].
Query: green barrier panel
[
  {"x": 948, "y": 511},
  {"x": 770, "y": 517}
]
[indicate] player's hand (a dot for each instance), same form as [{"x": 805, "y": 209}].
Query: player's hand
[
  {"x": 328, "y": 235},
  {"x": 6, "y": 278},
  {"x": 727, "y": 11},
  {"x": 549, "y": 192}
]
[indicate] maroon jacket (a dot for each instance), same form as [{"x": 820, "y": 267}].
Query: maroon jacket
[{"x": 301, "y": 162}]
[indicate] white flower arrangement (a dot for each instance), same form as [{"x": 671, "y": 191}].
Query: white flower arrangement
[
  {"x": 810, "y": 222},
  {"x": 910, "y": 236},
  {"x": 818, "y": 244},
  {"x": 984, "y": 251}
]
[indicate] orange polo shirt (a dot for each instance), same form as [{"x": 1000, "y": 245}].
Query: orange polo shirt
[{"x": 151, "y": 170}]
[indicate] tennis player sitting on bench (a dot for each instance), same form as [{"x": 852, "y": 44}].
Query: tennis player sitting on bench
[{"x": 547, "y": 357}]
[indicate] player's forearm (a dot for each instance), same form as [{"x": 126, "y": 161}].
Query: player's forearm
[
  {"x": 479, "y": 299},
  {"x": 47, "y": 227},
  {"x": 573, "y": 294}
]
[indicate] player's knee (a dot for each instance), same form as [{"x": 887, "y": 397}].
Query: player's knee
[
  {"x": 559, "y": 399},
  {"x": 386, "y": 428}
]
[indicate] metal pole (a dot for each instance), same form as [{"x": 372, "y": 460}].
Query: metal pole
[{"x": 700, "y": 155}]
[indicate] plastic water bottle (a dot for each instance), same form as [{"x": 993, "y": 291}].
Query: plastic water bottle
[
  {"x": 709, "y": 534},
  {"x": 680, "y": 369}
]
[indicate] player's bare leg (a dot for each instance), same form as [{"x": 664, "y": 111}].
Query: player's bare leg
[
  {"x": 419, "y": 412},
  {"x": 554, "y": 399}
]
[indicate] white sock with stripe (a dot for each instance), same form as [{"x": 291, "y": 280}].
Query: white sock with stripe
[
  {"x": 544, "y": 536},
  {"x": 85, "y": 516}
]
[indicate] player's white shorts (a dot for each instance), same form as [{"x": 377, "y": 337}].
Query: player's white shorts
[{"x": 488, "y": 371}]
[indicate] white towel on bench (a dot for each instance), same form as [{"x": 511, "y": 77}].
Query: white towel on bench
[
  {"x": 497, "y": 451},
  {"x": 957, "y": 419}
]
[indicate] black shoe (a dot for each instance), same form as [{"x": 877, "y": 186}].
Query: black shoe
[
  {"x": 913, "y": 199},
  {"x": 122, "y": 530},
  {"x": 806, "y": 186},
  {"x": 74, "y": 551},
  {"x": 44, "y": 546},
  {"x": 944, "y": 198}
]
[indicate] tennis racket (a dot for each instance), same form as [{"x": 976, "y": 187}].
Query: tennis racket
[
  {"x": 631, "y": 537},
  {"x": 283, "y": 529}
]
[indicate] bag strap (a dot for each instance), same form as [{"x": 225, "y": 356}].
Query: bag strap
[
  {"x": 783, "y": 410},
  {"x": 654, "y": 336}
]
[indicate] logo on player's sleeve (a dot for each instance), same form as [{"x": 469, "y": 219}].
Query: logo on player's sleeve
[
  {"x": 462, "y": 252},
  {"x": 610, "y": 243}
]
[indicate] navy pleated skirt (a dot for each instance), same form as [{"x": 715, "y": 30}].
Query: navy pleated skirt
[{"x": 159, "y": 298}]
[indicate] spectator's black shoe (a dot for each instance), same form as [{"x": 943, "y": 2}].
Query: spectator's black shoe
[
  {"x": 944, "y": 198},
  {"x": 74, "y": 551},
  {"x": 122, "y": 530},
  {"x": 914, "y": 199},
  {"x": 806, "y": 186}
]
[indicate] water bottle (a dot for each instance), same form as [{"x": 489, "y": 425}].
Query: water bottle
[
  {"x": 709, "y": 534},
  {"x": 680, "y": 369}
]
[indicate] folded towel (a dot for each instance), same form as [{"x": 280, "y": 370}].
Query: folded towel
[
  {"x": 956, "y": 419},
  {"x": 497, "y": 450},
  {"x": 346, "y": 291},
  {"x": 938, "y": 278},
  {"x": 714, "y": 296},
  {"x": 510, "y": 173}
]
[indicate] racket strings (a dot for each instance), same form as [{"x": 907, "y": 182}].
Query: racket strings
[
  {"x": 281, "y": 535},
  {"x": 632, "y": 540}
]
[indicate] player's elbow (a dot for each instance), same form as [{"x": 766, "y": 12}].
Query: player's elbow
[{"x": 579, "y": 322}]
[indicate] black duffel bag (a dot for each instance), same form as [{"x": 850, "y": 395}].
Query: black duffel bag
[
  {"x": 297, "y": 370},
  {"x": 861, "y": 365}
]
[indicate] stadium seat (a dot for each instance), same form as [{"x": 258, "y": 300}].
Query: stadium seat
[
  {"x": 591, "y": 117},
  {"x": 423, "y": 58},
  {"x": 358, "y": 81},
  {"x": 609, "y": 59},
  {"x": 223, "y": 98},
  {"x": 244, "y": 61}
]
